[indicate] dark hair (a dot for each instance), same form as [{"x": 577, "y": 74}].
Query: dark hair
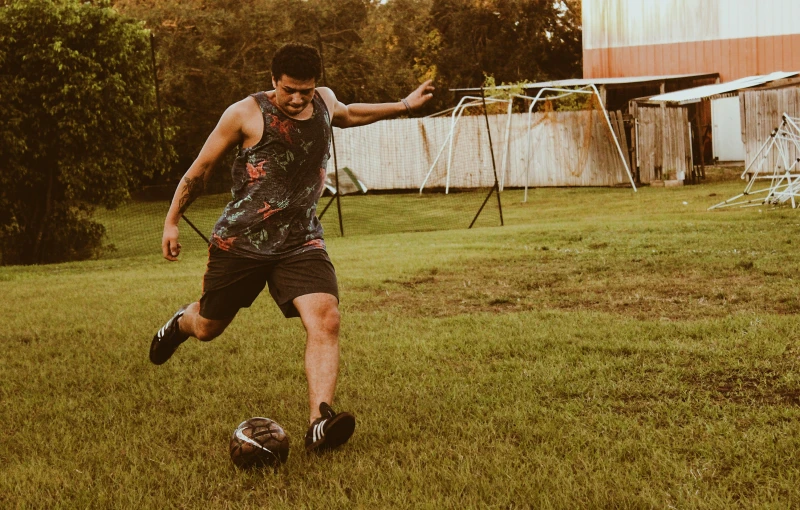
[{"x": 299, "y": 61}]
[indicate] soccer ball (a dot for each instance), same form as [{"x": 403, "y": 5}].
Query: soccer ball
[{"x": 259, "y": 442}]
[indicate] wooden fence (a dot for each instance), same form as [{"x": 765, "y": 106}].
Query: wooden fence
[
  {"x": 560, "y": 149},
  {"x": 761, "y": 112},
  {"x": 663, "y": 143}
]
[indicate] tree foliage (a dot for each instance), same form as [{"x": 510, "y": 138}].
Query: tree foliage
[
  {"x": 511, "y": 40},
  {"x": 79, "y": 126},
  {"x": 212, "y": 53}
]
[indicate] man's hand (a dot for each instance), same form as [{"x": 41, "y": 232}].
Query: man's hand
[
  {"x": 228, "y": 133},
  {"x": 422, "y": 95},
  {"x": 170, "y": 247}
]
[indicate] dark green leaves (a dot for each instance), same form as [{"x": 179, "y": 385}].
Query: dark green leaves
[{"x": 78, "y": 121}]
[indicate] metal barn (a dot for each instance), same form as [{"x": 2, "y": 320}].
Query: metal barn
[{"x": 735, "y": 38}]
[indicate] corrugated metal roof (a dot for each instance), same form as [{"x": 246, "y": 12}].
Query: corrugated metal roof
[
  {"x": 579, "y": 82},
  {"x": 718, "y": 90}
]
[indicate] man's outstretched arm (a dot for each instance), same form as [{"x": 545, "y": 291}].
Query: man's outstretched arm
[
  {"x": 359, "y": 114},
  {"x": 226, "y": 134}
]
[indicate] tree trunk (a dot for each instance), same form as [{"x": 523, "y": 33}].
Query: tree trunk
[{"x": 48, "y": 207}]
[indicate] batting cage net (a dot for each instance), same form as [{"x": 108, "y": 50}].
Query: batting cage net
[{"x": 403, "y": 175}]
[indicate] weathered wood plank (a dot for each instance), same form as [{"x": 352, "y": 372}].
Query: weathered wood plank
[
  {"x": 663, "y": 145},
  {"x": 623, "y": 138}
]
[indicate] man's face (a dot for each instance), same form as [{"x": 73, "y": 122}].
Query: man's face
[{"x": 293, "y": 95}]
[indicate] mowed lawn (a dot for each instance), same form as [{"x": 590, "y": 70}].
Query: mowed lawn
[{"x": 604, "y": 349}]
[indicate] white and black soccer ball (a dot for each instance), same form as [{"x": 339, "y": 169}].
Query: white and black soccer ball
[{"x": 259, "y": 442}]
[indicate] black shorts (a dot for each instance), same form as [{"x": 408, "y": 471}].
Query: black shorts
[{"x": 232, "y": 282}]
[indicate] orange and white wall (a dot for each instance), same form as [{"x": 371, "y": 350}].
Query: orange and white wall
[{"x": 735, "y": 38}]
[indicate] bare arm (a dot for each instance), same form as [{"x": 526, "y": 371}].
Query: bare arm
[
  {"x": 225, "y": 135},
  {"x": 359, "y": 114}
]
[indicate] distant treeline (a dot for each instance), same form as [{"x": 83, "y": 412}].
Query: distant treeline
[{"x": 211, "y": 53}]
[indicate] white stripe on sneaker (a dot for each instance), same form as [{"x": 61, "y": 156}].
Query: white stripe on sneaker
[
  {"x": 318, "y": 431},
  {"x": 163, "y": 330}
]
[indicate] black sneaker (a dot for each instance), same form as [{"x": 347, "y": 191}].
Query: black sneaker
[
  {"x": 330, "y": 430},
  {"x": 168, "y": 339}
]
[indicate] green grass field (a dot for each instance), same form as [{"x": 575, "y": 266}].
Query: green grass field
[{"x": 604, "y": 349}]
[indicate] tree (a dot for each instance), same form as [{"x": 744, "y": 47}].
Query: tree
[
  {"x": 212, "y": 53},
  {"x": 511, "y": 40},
  {"x": 402, "y": 49},
  {"x": 78, "y": 124}
]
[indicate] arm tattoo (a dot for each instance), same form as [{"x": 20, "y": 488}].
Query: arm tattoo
[{"x": 194, "y": 187}]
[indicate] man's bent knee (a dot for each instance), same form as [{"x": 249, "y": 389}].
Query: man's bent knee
[
  {"x": 320, "y": 313},
  {"x": 325, "y": 322},
  {"x": 207, "y": 330},
  {"x": 329, "y": 321}
]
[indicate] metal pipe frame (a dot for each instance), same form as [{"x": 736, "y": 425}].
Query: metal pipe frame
[
  {"x": 454, "y": 118},
  {"x": 784, "y": 186},
  {"x": 588, "y": 89}
]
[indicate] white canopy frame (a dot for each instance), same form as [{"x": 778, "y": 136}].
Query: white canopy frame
[
  {"x": 784, "y": 177},
  {"x": 587, "y": 89},
  {"x": 448, "y": 141}
]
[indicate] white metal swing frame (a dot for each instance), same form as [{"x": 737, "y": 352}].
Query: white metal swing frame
[
  {"x": 462, "y": 105},
  {"x": 588, "y": 89},
  {"x": 784, "y": 184},
  {"x": 448, "y": 141}
]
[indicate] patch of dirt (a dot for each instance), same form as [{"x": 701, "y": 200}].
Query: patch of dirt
[
  {"x": 749, "y": 386},
  {"x": 643, "y": 290},
  {"x": 717, "y": 173}
]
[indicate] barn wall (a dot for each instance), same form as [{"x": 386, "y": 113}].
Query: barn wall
[{"x": 736, "y": 38}]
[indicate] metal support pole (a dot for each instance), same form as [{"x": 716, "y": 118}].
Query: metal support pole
[
  {"x": 333, "y": 145},
  {"x": 496, "y": 187},
  {"x": 616, "y": 142},
  {"x": 507, "y": 148}
]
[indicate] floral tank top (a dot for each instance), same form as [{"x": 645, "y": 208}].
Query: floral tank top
[{"x": 276, "y": 186}]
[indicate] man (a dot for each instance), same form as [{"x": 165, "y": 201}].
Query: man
[{"x": 269, "y": 232}]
